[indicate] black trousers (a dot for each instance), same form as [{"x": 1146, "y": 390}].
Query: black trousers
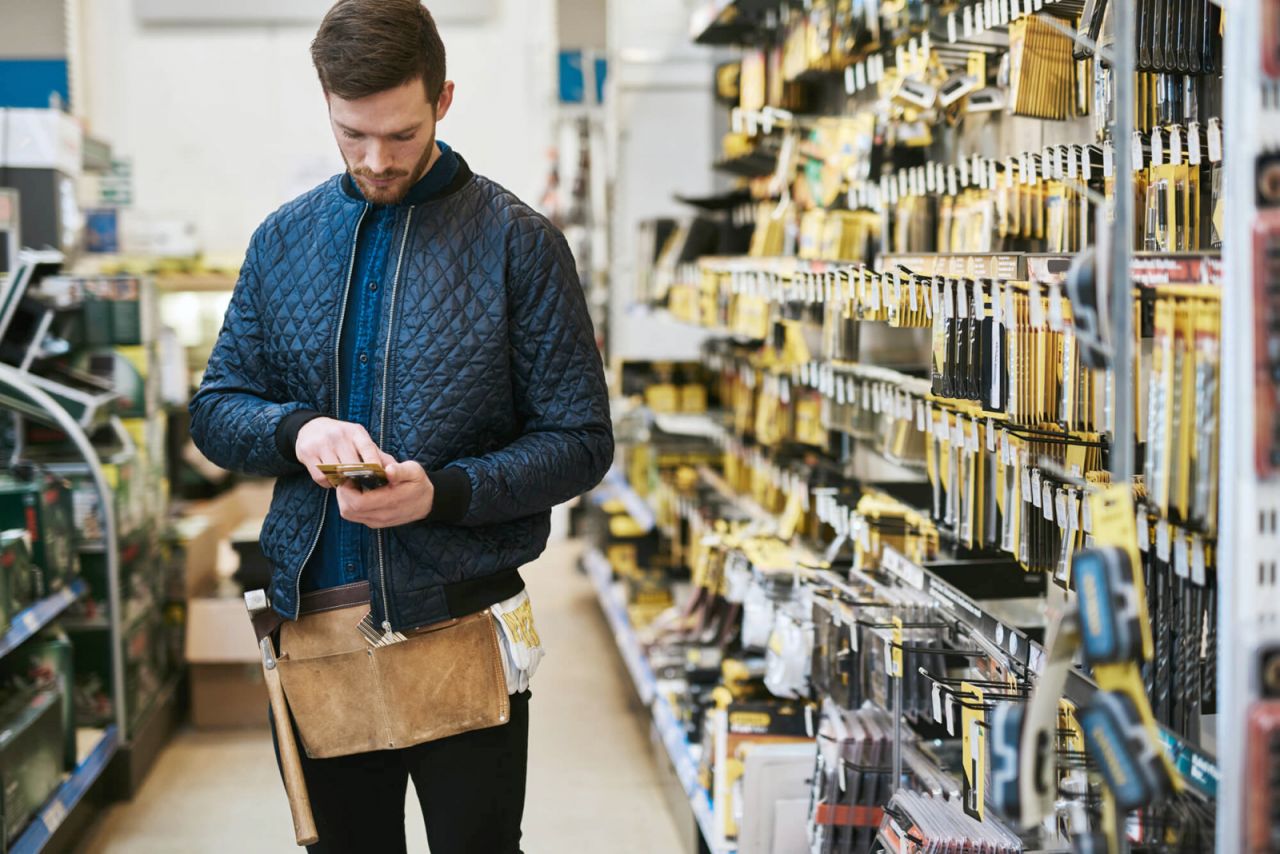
[{"x": 470, "y": 788}]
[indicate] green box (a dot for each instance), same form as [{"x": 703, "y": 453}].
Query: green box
[
  {"x": 31, "y": 754},
  {"x": 22, "y": 579},
  {"x": 43, "y": 507},
  {"x": 47, "y": 660}
]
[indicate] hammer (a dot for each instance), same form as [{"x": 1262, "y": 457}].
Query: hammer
[{"x": 295, "y": 785}]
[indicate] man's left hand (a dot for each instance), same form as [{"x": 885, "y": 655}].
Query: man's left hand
[{"x": 407, "y": 497}]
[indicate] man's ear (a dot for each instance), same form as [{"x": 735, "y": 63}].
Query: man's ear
[{"x": 445, "y": 101}]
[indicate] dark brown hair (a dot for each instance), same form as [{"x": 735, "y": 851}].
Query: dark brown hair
[{"x": 368, "y": 46}]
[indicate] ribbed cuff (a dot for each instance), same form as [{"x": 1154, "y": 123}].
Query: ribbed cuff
[
  {"x": 453, "y": 495},
  {"x": 287, "y": 431}
]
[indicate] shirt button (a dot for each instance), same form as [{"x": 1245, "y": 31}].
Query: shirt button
[
  {"x": 364, "y": 358},
  {"x": 373, "y": 286}
]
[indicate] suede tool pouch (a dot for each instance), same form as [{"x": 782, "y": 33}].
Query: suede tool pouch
[{"x": 350, "y": 697}]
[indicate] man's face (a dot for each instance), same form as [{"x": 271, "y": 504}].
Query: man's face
[{"x": 388, "y": 139}]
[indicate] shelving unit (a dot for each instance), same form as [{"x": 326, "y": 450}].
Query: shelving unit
[
  {"x": 70, "y": 795},
  {"x": 668, "y": 729},
  {"x": 908, "y": 292}
]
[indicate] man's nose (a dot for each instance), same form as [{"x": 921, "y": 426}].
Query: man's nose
[{"x": 378, "y": 159}]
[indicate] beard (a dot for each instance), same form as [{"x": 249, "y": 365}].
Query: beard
[{"x": 403, "y": 182}]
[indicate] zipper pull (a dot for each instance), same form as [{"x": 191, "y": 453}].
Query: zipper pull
[{"x": 389, "y": 636}]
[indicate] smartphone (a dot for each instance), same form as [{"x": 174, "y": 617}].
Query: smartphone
[{"x": 365, "y": 476}]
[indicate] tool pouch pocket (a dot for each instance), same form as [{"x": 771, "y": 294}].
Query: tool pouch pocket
[{"x": 350, "y": 697}]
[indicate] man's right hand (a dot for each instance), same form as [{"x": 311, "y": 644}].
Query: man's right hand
[{"x": 327, "y": 441}]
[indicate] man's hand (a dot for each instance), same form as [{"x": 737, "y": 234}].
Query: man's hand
[
  {"x": 407, "y": 497},
  {"x": 327, "y": 441}
]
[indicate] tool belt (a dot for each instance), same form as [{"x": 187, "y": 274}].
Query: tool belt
[{"x": 349, "y": 696}]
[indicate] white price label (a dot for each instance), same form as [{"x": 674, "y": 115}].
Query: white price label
[
  {"x": 1157, "y": 148},
  {"x": 1175, "y": 145},
  {"x": 1215, "y": 141},
  {"x": 1193, "y": 143}
]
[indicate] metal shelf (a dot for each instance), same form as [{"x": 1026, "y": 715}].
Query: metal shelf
[
  {"x": 68, "y": 795},
  {"x": 677, "y": 745},
  {"x": 35, "y": 617}
]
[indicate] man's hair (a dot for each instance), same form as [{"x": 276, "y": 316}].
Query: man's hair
[{"x": 368, "y": 46}]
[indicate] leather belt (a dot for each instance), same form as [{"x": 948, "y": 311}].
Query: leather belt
[{"x": 313, "y": 602}]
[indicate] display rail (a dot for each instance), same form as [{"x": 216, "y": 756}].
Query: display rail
[
  {"x": 68, "y": 796},
  {"x": 35, "y": 617},
  {"x": 677, "y": 745}
]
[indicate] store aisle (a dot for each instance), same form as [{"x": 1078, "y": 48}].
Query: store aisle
[{"x": 593, "y": 785}]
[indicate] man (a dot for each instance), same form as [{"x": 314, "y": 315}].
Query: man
[{"x": 414, "y": 314}]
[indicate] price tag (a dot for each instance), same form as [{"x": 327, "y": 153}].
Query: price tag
[
  {"x": 1193, "y": 143},
  {"x": 1037, "y": 496},
  {"x": 1215, "y": 141},
  {"x": 1136, "y": 152},
  {"x": 1060, "y": 508},
  {"x": 1162, "y": 540},
  {"x": 952, "y": 189},
  {"x": 1056, "y": 320},
  {"x": 937, "y": 706},
  {"x": 1198, "y": 574},
  {"x": 1144, "y": 532},
  {"x": 920, "y": 424},
  {"x": 1027, "y": 493},
  {"x": 964, "y": 172},
  {"x": 1086, "y": 164},
  {"x": 1108, "y": 161},
  {"x": 1157, "y": 148},
  {"x": 849, "y": 80},
  {"x": 951, "y": 716},
  {"x": 860, "y": 76},
  {"x": 1008, "y": 171},
  {"x": 1181, "y": 558},
  {"x": 930, "y": 179},
  {"x": 850, "y": 391},
  {"x": 1175, "y": 145},
  {"x": 971, "y": 437},
  {"x": 1073, "y": 163},
  {"x": 1036, "y": 304},
  {"x": 1046, "y": 500},
  {"x": 991, "y": 174},
  {"x": 1006, "y": 455},
  {"x": 991, "y": 435},
  {"x": 1046, "y": 163},
  {"x": 951, "y": 28}
]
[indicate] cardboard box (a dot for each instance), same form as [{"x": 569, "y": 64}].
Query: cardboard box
[
  {"x": 204, "y": 525},
  {"x": 227, "y": 689}
]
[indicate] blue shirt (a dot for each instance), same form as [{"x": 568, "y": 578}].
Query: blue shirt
[{"x": 339, "y": 559}]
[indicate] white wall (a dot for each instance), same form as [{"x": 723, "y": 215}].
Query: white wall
[
  {"x": 226, "y": 123},
  {"x": 663, "y": 139}
]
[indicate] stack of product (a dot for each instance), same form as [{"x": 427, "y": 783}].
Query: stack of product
[{"x": 918, "y": 563}]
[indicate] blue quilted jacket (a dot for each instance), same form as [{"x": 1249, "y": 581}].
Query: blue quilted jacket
[{"x": 490, "y": 378}]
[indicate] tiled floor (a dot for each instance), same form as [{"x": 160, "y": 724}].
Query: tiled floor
[{"x": 593, "y": 784}]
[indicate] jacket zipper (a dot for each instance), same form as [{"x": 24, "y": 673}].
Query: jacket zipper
[
  {"x": 382, "y": 418},
  {"x": 337, "y": 379}
]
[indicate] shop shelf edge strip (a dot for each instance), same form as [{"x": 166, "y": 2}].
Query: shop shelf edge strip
[
  {"x": 673, "y": 739},
  {"x": 34, "y": 618},
  {"x": 68, "y": 795}
]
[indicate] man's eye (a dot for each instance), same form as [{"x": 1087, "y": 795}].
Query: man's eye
[
  {"x": 350, "y": 134},
  {"x": 404, "y": 138}
]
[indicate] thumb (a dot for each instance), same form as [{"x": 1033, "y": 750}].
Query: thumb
[{"x": 403, "y": 472}]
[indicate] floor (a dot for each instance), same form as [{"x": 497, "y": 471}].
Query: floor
[{"x": 593, "y": 782}]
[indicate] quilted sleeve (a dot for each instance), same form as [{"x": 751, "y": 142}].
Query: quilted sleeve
[
  {"x": 233, "y": 415},
  {"x": 560, "y": 396}
]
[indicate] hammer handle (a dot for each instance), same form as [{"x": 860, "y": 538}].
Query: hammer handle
[{"x": 304, "y": 823}]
